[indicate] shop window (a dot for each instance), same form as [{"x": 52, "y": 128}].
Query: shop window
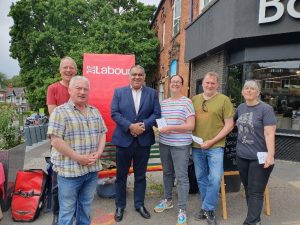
[
  {"x": 280, "y": 87},
  {"x": 235, "y": 75},
  {"x": 285, "y": 83},
  {"x": 176, "y": 16}
]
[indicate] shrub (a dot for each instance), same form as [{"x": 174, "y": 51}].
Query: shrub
[{"x": 10, "y": 134}]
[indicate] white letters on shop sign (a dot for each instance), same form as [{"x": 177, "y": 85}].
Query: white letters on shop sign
[{"x": 279, "y": 6}]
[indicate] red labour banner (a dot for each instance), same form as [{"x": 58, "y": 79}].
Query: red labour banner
[{"x": 106, "y": 72}]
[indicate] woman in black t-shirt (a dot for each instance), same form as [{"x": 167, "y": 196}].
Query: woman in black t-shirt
[{"x": 255, "y": 148}]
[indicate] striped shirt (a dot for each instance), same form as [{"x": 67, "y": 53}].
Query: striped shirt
[
  {"x": 81, "y": 132},
  {"x": 176, "y": 112}
]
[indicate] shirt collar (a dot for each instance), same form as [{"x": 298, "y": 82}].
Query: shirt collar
[
  {"x": 134, "y": 89},
  {"x": 73, "y": 106}
]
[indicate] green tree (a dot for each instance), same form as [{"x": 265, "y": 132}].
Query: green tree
[
  {"x": 16, "y": 81},
  {"x": 9, "y": 134},
  {"x": 3, "y": 80},
  {"x": 46, "y": 30}
]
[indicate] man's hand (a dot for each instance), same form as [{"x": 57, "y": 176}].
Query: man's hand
[
  {"x": 86, "y": 160},
  {"x": 136, "y": 129},
  {"x": 95, "y": 155},
  {"x": 207, "y": 144}
]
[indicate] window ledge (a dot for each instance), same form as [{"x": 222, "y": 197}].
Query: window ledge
[
  {"x": 175, "y": 36},
  {"x": 288, "y": 133}
]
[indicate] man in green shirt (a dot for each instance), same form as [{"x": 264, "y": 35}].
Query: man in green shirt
[{"x": 214, "y": 120}]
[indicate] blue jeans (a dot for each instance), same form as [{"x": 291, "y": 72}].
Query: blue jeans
[
  {"x": 209, "y": 170},
  {"x": 76, "y": 194}
]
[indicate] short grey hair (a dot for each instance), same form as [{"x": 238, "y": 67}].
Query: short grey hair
[
  {"x": 67, "y": 58},
  {"x": 137, "y": 67},
  {"x": 252, "y": 84},
  {"x": 78, "y": 78},
  {"x": 212, "y": 74}
]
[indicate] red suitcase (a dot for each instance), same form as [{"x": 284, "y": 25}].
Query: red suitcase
[{"x": 29, "y": 194}]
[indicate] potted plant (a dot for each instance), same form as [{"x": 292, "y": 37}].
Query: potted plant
[{"x": 12, "y": 150}]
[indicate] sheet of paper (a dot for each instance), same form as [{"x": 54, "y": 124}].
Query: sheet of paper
[
  {"x": 198, "y": 140},
  {"x": 262, "y": 157},
  {"x": 161, "y": 123}
]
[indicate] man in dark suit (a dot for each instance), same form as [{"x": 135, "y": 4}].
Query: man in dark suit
[{"x": 134, "y": 109}]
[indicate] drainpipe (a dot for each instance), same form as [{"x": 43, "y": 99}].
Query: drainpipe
[
  {"x": 190, "y": 64},
  {"x": 191, "y": 10},
  {"x": 189, "y": 81}
]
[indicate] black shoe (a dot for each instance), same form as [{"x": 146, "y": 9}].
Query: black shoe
[
  {"x": 210, "y": 217},
  {"x": 55, "y": 220},
  {"x": 200, "y": 215},
  {"x": 144, "y": 213},
  {"x": 119, "y": 214}
]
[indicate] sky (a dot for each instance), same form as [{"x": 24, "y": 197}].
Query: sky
[{"x": 9, "y": 66}]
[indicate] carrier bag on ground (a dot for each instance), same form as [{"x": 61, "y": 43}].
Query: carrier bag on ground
[{"x": 29, "y": 194}]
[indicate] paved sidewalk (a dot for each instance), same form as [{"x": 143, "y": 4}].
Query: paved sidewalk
[{"x": 284, "y": 196}]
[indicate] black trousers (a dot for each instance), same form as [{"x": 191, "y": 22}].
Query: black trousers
[
  {"x": 124, "y": 156},
  {"x": 254, "y": 178}
]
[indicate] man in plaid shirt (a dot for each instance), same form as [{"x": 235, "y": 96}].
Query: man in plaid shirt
[{"x": 78, "y": 135}]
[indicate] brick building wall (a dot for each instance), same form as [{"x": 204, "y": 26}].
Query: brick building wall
[
  {"x": 174, "y": 47},
  {"x": 216, "y": 63}
]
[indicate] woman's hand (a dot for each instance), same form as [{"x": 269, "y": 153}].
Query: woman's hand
[
  {"x": 165, "y": 130},
  {"x": 269, "y": 161}
]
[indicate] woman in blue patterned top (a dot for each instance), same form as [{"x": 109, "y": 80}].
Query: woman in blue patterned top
[{"x": 175, "y": 143}]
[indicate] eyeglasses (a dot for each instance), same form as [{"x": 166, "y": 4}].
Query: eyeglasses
[
  {"x": 176, "y": 82},
  {"x": 204, "y": 106},
  {"x": 137, "y": 75}
]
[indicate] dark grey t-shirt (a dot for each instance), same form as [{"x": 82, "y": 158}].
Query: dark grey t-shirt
[{"x": 250, "y": 122}]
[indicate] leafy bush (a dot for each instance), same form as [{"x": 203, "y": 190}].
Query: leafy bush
[{"x": 10, "y": 134}]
